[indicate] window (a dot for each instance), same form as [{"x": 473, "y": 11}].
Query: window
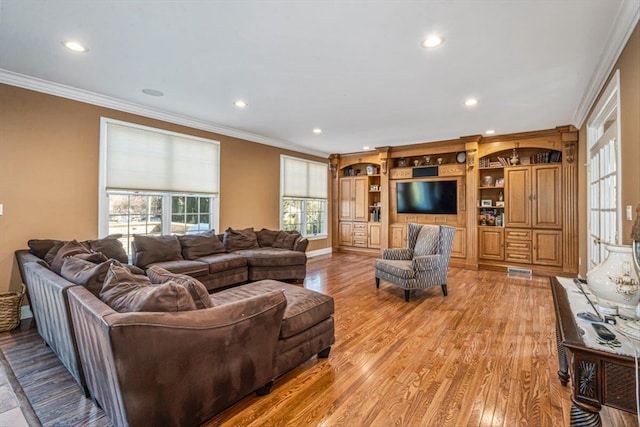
[
  {"x": 156, "y": 182},
  {"x": 304, "y": 196}
]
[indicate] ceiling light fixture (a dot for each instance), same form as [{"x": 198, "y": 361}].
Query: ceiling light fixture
[
  {"x": 365, "y": 148},
  {"x": 490, "y": 132},
  {"x": 75, "y": 46},
  {"x": 317, "y": 131},
  {"x": 471, "y": 102},
  {"x": 240, "y": 104},
  {"x": 432, "y": 41},
  {"x": 152, "y": 92}
]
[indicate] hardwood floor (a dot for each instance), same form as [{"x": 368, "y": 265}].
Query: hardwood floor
[{"x": 483, "y": 355}]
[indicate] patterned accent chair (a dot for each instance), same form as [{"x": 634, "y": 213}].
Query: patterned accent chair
[{"x": 422, "y": 264}]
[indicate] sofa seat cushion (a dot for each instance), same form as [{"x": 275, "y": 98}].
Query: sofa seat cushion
[
  {"x": 191, "y": 268},
  {"x": 273, "y": 257},
  {"x": 223, "y": 262},
  {"x": 402, "y": 269},
  {"x": 305, "y": 307}
]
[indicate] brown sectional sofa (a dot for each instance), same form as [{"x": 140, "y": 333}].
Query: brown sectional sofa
[
  {"x": 176, "y": 368},
  {"x": 220, "y": 260}
]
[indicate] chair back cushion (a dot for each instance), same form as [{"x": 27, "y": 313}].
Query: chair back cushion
[
  {"x": 412, "y": 234},
  {"x": 427, "y": 241}
]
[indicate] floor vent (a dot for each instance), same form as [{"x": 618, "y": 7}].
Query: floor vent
[{"x": 519, "y": 273}]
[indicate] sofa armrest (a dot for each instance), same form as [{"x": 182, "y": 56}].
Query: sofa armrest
[
  {"x": 176, "y": 368},
  {"x": 397, "y": 254},
  {"x": 427, "y": 262},
  {"x": 301, "y": 244}
]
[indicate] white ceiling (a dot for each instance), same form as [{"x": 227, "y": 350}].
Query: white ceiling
[{"x": 353, "y": 68}]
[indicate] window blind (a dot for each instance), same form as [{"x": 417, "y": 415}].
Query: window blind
[
  {"x": 147, "y": 160},
  {"x": 303, "y": 178}
]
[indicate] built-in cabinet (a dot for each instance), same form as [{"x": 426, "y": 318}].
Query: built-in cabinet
[{"x": 516, "y": 200}]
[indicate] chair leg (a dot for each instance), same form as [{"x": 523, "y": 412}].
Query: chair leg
[
  {"x": 444, "y": 290},
  {"x": 377, "y": 282},
  {"x": 407, "y": 292}
]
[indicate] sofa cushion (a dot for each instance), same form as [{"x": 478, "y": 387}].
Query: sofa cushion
[
  {"x": 94, "y": 257},
  {"x": 110, "y": 246},
  {"x": 266, "y": 237},
  {"x": 40, "y": 247},
  {"x": 86, "y": 273},
  {"x": 427, "y": 241},
  {"x": 301, "y": 244},
  {"x": 196, "y": 289},
  {"x": 154, "y": 249},
  {"x": 286, "y": 239},
  {"x": 199, "y": 245},
  {"x": 235, "y": 240},
  {"x": 68, "y": 249},
  {"x": 185, "y": 266},
  {"x": 224, "y": 262},
  {"x": 305, "y": 308},
  {"x": 273, "y": 257},
  {"x": 127, "y": 292},
  {"x": 52, "y": 252}
]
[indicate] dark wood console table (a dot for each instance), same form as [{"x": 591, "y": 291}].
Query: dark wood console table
[{"x": 597, "y": 377}]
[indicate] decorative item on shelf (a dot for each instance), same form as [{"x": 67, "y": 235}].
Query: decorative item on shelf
[
  {"x": 461, "y": 157},
  {"x": 439, "y": 160},
  {"x": 515, "y": 159},
  {"x": 371, "y": 170},
  {"x": 402, "y": 162},
  {"x": 416, "y": 162},
  {"x": 615, "y": 283},
  {"x": 486, "y": 181},
  {"x": 500, "y": 204},
  {"x": 427, "y": 160},
  {"x": 501, "y": 197},
  {"x": 486, "y": 202},
  {"x": 500, "y": 182}
]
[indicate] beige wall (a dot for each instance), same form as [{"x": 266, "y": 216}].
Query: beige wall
[
  {"x": 49, "y": 152},
  {"x": 629, "y": 65}
]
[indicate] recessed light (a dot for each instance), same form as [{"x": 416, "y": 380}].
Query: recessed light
[
  {"x": 317, "y": 131},
  {"x": 152, "y": 92},
  {"x": 240, "y": 104},
  {"x": 471, "y": 102},
  {"x": 75, "y": 46},
  {"x": 366, "y": 147},
  {"x": 490, "y": 132},
  {"x": 432, "y": 41}
]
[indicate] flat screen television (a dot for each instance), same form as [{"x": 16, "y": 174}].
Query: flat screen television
[{"x": 428, "y": 197}]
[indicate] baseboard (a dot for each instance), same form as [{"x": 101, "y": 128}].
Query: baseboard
[
  {"x": 318, "y": 252},
  {"x": 25, "y": 312}
]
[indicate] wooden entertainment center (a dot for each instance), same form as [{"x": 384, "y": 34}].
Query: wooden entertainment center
[{"x": 516, "y": 199}]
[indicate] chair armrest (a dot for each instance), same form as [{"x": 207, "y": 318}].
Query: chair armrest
[
  {"x": 397, "y": 254},
  {"x": 427, "y": 262}
]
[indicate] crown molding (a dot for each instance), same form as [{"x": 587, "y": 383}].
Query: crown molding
[
  {"x": 69, "y": 92},
  {"x": 626, "y": 21}
]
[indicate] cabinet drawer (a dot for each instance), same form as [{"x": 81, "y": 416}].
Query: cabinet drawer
[
  {"x": 517, "y": 234},
  {"x": 359, "y": 242},
  {"x": 359, "y": 234},
  {"x": 518, "y": 246},
  {"x": 360, "y": 226},
  {"x": 521, "y": 257}
]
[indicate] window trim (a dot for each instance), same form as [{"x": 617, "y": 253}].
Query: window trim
[
  {"x": 103, "y": 193},
  {"x": 325, "y": 224}
]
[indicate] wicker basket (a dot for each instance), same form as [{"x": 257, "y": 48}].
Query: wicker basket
[{"x": 10, "y": 303}]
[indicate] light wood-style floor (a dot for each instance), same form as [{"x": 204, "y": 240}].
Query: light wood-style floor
[{"x": 485, "y": 355}]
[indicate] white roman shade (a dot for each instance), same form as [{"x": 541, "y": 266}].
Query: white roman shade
[
  {"x": 145, "y": 159},
  {"x": 303, "y": 178}
]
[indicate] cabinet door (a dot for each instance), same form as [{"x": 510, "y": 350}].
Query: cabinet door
[
  {"x": 459, "y": 249},
  {"x": 518, "y": 197},
  {"x": 346, "y": 199},
  {"x": 375, "y": 235},
  {"x": 346, "y": 234},
  {"x": 547, "y": 247},
  {"x": 360, "y": 196},
  {"x": 398, "y": 238},
  {"x": 491, "y": 243},
  {"x": 547, "y": 197}
]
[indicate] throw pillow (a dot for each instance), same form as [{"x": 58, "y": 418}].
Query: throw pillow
[
  {"x": 40, "y": 247},
  {"x": 427, "y": 241},
  {"x": 151, "y": 249},
  {"x": 199, "y": 245},
  {"x": 301, "y": 244},
  {"x": 51, "y": 253},
  {"x": 94, "y": 257},
  {"x": 235, "y": 240},
  {"x": 68, "y": 249},
  {"x": 267, "y": 237},
  {"x": 286, "y": 239},
  {"x": 127, "y": 292},
  {"x": 196, "y": 289},
  {"x": 110, "y": 246},
  {"x": 85, "y": 273}
]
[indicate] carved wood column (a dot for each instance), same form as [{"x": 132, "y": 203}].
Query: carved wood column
[
  {"x": 383, "y": 153},
  {"x": 471, "y": 182},
  {"x": 334, "y": 194},
  {"x": 570, "y": 251}
]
